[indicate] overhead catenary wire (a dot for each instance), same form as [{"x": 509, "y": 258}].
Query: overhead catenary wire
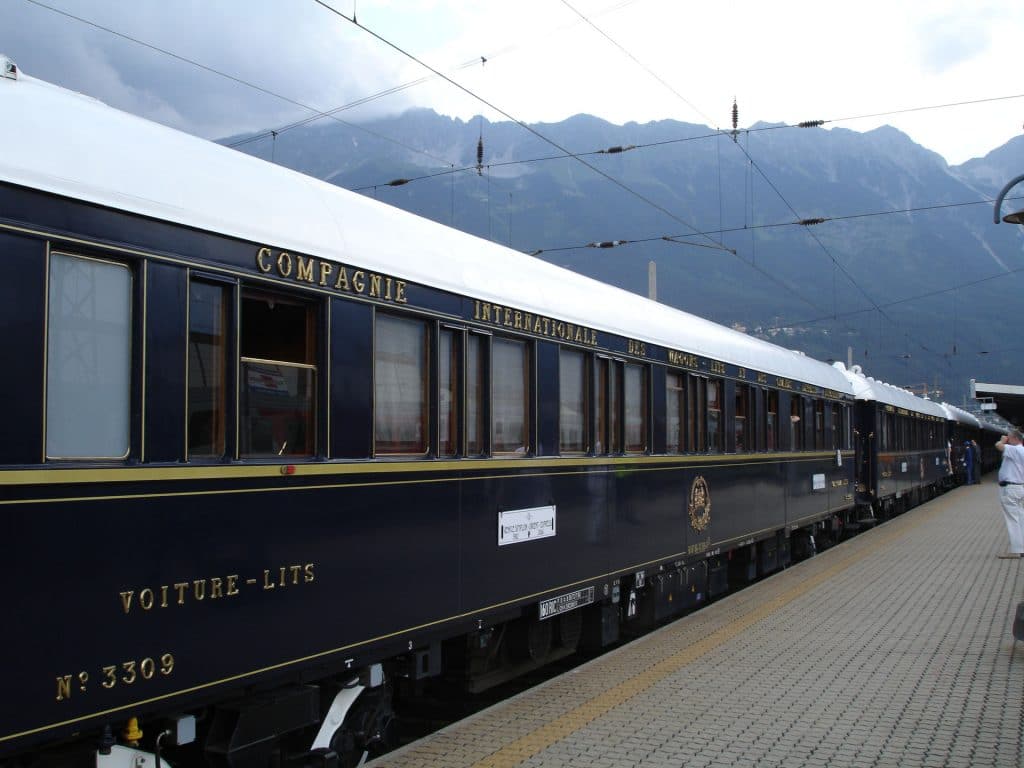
[
  {"x": 806, "y": 222},
  {"x": 626, "y": 188},
  {"x": 234, "y": 79},
  {"x": 476, "y": 60}
]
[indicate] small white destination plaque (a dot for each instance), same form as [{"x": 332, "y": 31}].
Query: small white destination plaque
[
  {"x": 566, "y": 603},
  {"x": 818, "y": 482},
  {"x": 518, "y": 525}
]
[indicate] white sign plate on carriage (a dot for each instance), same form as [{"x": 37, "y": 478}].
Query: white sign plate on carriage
[{"x": 518, "y": 525}]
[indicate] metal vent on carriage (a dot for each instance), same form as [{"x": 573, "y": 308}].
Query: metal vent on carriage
[{"x": 8, "y": 68}]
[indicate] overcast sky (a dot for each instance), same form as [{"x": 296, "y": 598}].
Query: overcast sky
[{"x": 783, "y": 61}]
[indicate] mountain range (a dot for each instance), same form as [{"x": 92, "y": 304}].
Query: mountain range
[{"x": 906, "y": 275}]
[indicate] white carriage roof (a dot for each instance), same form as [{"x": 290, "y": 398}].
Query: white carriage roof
[
  {"x": 72, "y": 145},
  {"x": 867, "y": 388},
  {"x": 962, "y": 416}
]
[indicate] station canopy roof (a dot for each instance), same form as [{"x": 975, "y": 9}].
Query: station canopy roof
[{"x": 1005, "y": 399}]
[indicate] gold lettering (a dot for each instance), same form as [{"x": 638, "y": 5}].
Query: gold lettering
[
  {"x": 536, "y": 325},
  {"x": 547, "y": 320},
  {"x": 387, "y": 288},
  {"x": 284, "y": 264},
  {"x": 267, "y": 583},
  {"x": 375, "y": 284},
  {"x": 163, "y": 596},
  {"x": 560, "y": 330},
  {"x": 325, "y": 272},
  {"x": 126, "y": 599},
  {"x": 232, "y": 585},
  {"x": 146, "y": 599},
  {"x": 199, "y": 588},
  {"x": 181, "y": 586},
  {"x": 527, "y": 321},
  {"x": 281, "y": 571},
  {"x": 341, "y": 284},
  {"x": 486, "y": 316},
  {"x": 261, "y": 265},
  {"x": 309, "y": 573},
  {"x": 358, "y": 281},
  {"x": 304, "y": 271},
  {"x": 579, "y": 334},
  {"x": 63, "y": 687},
  {"x": 508, "y": 317},
  {"x": 296, "y": 570},
  {"x": 215, "y": 588},
  {"x": 518, "y": 320}
]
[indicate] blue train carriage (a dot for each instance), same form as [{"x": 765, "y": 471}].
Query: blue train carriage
[
  {"x": 278, "y": 453},
  {"x": 901, "y": 446},
  {"x": 965, "y": 426}
]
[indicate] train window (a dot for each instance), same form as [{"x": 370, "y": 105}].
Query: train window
[
  {"x": 635, "y": 397},
  {"x": 400, "y": 385},
  {"x": 838, "y": 435},
  {"x": 510, "y": 396},
  {"x": 208, "y": 326},
  {"x": 714, "y": 417},
  {"x": 741, "y": 416},
  {"x": 819, "y": 425},
  {"x": 277, "y": 401},
  {"x": 675, "y": 406},
  {"x": 608, "y": 406},
  {"x": 448, "y": 393},
  {"x": 796, "y": 430},
  {"x": 573, "y": 401},
  {"x": 88, "y": 358},
  {"x": 476, "y": 356},
  {"x": 772, "y": 426},
  {"x": 696, "y": 414}
]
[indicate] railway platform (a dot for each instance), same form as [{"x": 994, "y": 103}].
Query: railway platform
[{"x": 894, "y": 648}]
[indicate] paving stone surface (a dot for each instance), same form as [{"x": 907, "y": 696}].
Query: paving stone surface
[{"x": 892, "y": 649}]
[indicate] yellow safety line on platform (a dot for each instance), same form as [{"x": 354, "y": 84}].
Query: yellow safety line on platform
[{"x": 527, "y": 746}]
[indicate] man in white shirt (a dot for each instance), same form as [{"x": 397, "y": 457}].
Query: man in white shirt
[{"x": 1011, "y": 491}]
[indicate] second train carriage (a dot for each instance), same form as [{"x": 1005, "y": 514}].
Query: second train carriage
[
  {"x": 274, "y": 447},
  {"x": 901, "y": 446}
]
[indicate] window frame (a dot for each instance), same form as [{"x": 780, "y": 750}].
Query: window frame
[
  {"x": 133, "y": 342},
  {"x": 311, "y": 353},
  {"x": 528, "y": 394},
  {"x": 425, "y": 388},
  {"x": 584, "y": 409}
]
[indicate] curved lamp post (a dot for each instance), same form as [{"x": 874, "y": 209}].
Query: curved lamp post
[{"x": 1010, "y": 218}]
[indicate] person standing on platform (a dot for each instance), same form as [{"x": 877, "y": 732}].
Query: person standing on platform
[
  {"x": 976, "y": 450},
  {"x": 1011, "y": 490},
  {"x": 969, "y": 462}
]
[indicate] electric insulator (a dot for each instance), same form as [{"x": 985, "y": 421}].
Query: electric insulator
[{"x": 480, "y": 157}]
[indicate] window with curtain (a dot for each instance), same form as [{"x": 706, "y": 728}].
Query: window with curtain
[
  {"x": 400, "y": 385},
  {"x": 573, "y": 401},
  {"x": 208, "y": 306},
  {"x": 675, "y": 407},
  {"x": 88, "y": 358},
  {"x": 635, "y": 399},
  {"x": 510, "y": 393}
]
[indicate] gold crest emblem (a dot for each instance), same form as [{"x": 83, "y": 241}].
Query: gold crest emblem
[{"x": 700, "y": 504}]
